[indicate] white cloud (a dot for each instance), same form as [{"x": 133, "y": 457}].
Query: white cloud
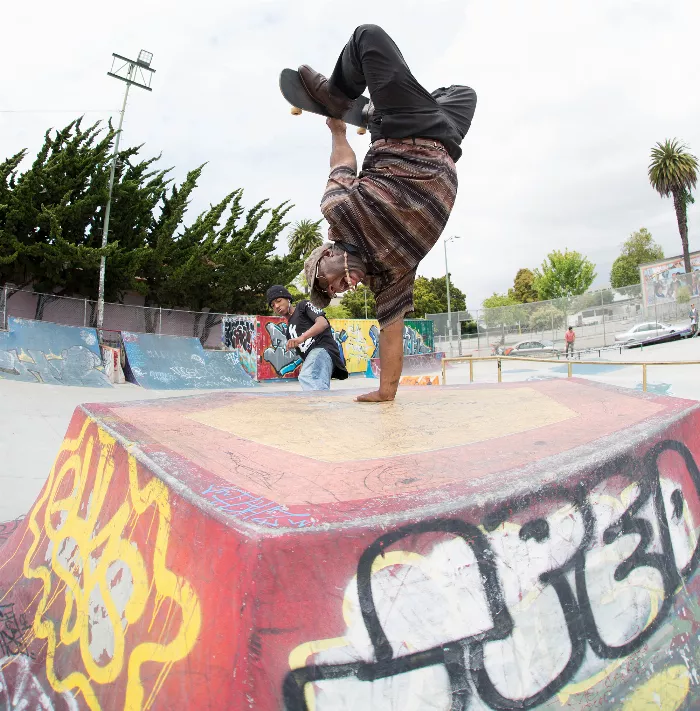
[{"x": 572, "y": 96}]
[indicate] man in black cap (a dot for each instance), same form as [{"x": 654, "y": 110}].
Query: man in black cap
[
  {"x": 311, "y": 336},
  {"x": 386, "y": 219}
]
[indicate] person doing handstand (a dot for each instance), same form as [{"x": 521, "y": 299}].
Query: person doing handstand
[{"x": 386, "y": 219}]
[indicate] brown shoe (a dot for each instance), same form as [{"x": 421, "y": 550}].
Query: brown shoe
[{"x": 318, "y": 89}]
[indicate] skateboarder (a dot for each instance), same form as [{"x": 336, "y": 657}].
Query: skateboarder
[
  {"x": 311, "y": 336},
  {"x": 384, "y": 221},
  {"x": 570, "y": 338}
]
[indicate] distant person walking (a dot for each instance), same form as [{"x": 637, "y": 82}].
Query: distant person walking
[
  {"x": 570, "y": 337},
  {"x": 693, "y": 321}
]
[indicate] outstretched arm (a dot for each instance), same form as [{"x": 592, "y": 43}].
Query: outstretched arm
[
  {"x": 341, "y": 153},
  {"x": 391, "y": 363}
]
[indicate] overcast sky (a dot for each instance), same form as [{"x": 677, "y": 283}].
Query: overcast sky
[{"x": 572, "y": 96}]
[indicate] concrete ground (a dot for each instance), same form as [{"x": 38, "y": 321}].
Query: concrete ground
[{"x": 34, "y": 417}]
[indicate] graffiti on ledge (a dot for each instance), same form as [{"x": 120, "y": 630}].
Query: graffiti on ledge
[{"x": 551, "y": 595}]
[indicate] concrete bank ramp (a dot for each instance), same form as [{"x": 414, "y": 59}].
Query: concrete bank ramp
[
  {"x": 37, "y": 351},
  {"x": 176, "y": 363},
  {"x": 522, "y": 546}
]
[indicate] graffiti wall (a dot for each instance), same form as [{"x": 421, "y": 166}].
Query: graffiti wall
[
  {"x": 239, "y": 335},
  {"x": 112, "y": 360},
  {"x": 418, "y": 337},
  {"x": 260, "y": 342},
  {"x": 662, "y": 280},
  {"x": 274, "y": 360},
  {"x": 358, "y": 340},
  {"x": 41, "y": 352},
  {"x": 576, "y": 598},
  {"x": 176, "y": 363},
  {"x": 101, "y": 611}
]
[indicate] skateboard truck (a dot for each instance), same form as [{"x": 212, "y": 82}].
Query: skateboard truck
[{"x": 367, "y": 112}]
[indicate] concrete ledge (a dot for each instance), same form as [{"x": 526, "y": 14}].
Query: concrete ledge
[{"x": 531, "y": 545}]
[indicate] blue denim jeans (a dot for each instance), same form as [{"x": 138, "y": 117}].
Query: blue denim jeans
[{"x": 317, "y": 370}]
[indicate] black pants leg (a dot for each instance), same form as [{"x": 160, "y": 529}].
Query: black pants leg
[{"x": 402, "y": 107}]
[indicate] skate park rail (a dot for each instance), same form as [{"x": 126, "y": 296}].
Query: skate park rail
[{"x": 570, "y": 363}]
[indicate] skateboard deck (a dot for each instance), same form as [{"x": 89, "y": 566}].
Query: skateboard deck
[{"x": 293, "y": 90}]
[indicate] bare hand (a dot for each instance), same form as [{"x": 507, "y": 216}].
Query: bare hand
[
  {"x": 293, "y": 343},
  {"x": 336, "y": 125},
  {"x": 376, "y": 396}
]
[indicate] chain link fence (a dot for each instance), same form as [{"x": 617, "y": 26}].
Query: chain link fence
[
  {"x": 597, "y": 317},
  {"x": 21, "y": 303}
]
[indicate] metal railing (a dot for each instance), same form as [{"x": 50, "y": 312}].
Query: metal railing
[{"x": 570, "y": 364}]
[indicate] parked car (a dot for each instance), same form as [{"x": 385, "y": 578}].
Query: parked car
[
  {"x": 645, "y": 332},
  {"x": 531, "y": 348}
]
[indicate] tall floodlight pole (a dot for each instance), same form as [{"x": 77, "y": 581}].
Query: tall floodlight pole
[
  {"x": 138, "y": 73},
  {"x": 447, "y": 282}
]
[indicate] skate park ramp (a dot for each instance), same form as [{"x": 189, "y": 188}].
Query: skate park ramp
[
  {"x": 524, "y": 545},
  {"x": 37, "y": 351},
  {"x": 176, "y": 363}
]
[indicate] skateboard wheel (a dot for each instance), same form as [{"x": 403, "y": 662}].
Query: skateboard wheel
[
  {"x": 296, "y": 111},
  {"x": 361, "y": 131}
]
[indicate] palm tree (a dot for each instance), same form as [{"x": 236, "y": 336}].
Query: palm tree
[
  {"x": 305, "y": 237},
  {"x": 673, "y": 171}
]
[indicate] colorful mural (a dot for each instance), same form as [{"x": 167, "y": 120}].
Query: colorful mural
[
  {"x": 238, "y": 334},
  {"x": 274, "y": 360},
  {"x": 358, "y": 340},
  {"x": 260, "y": 342},
  {"x": 418, "y": 336},
  {"x": 662, "y": 280}
]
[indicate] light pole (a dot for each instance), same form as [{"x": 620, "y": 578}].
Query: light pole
[
  {"x": 134, "y": 72},
  {"x": 447, "y": 283}
]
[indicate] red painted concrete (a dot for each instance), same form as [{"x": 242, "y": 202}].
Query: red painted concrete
[{"x": 217, "y": 557}]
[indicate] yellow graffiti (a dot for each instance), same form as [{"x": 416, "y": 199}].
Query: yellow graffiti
[
  {"x": 665, "y": 691},
  {"x": 358, "y": 347},
  {"x": 77, "y": 523}
]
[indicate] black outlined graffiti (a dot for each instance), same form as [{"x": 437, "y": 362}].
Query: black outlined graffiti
[
  {"x": 645, "y": 521},
  {"x": 239, "y": 333},
  {"x": 13, "y": 631},
  {"x": 283, "y": 361}
]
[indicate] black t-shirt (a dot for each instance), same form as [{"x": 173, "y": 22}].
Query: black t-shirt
[{"x": 303, "y": 318}]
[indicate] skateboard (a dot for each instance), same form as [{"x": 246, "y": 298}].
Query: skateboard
[{"x": 293, "y": 90}]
